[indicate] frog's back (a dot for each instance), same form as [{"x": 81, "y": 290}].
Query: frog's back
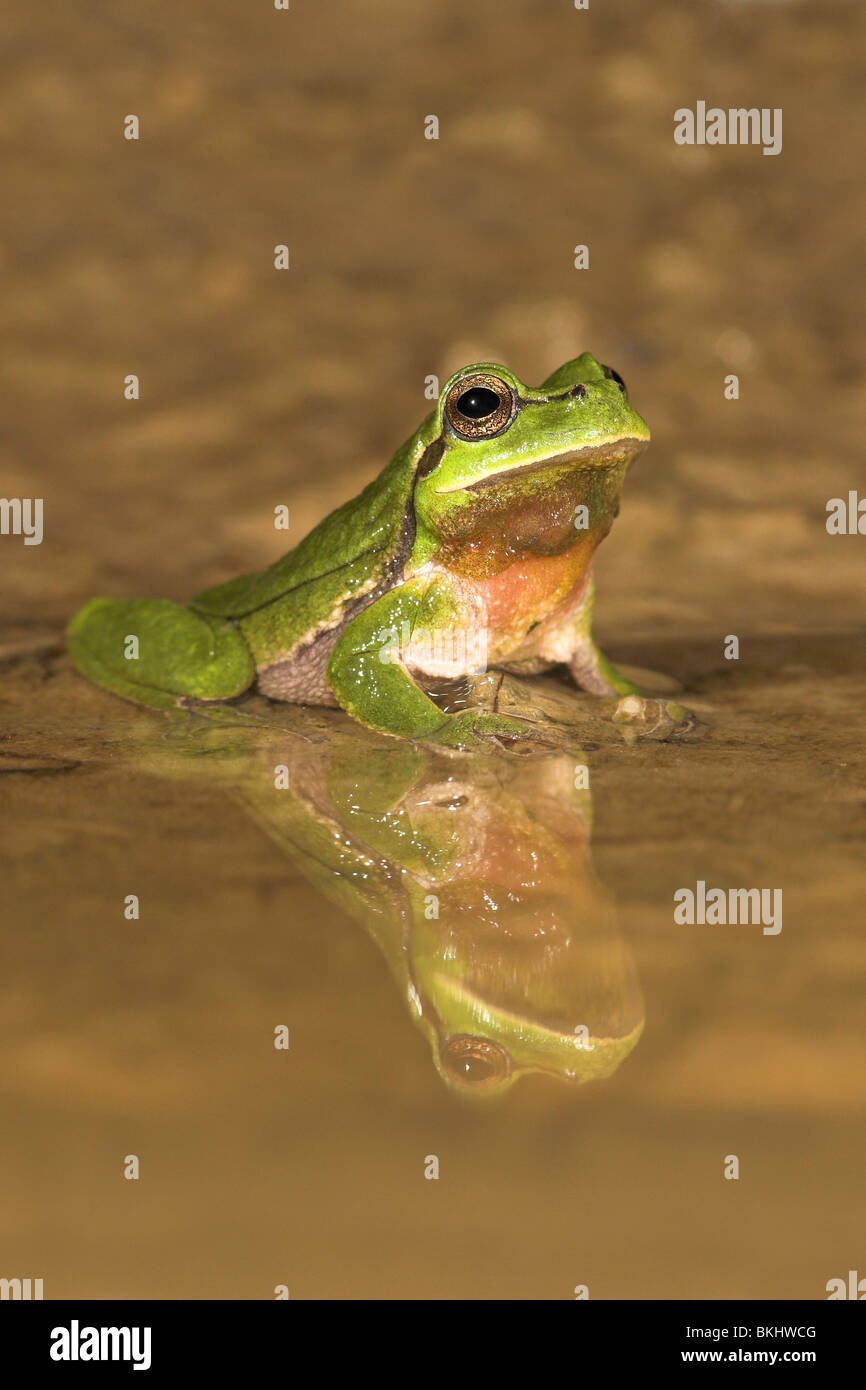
[{"x": 344, "y": 558}]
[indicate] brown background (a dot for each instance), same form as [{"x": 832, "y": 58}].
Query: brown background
[{"x": 412, "y": 257}]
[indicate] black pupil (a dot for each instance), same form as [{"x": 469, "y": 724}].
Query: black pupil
[
  {"x": 478, "y": 402},
  {"x": 613, "y": 375},
  {"x": 477, "y": 1068}
]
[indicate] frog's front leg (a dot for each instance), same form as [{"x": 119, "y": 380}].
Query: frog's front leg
[
  {"x": 159, "y": 654},
  {"x": 590, "y": 668},
  {"x": 368, "y": 670},
  {"x": 643, "y": 715}
]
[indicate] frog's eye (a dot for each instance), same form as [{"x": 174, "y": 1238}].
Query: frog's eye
[
  {"x": 480, "y": 406},
  {"x": 614, "y": 376},
  {"x": 474, "y": 1062}
]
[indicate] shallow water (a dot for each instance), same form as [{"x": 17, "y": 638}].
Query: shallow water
[
  {"x": 306, "y": 1166},
  {"x": 155, "y": 1036}
]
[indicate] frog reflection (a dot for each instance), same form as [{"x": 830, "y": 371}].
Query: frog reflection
[{"x": 472, "y": 873}]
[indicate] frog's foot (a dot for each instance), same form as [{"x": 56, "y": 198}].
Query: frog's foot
[
  {"x": 159, "y": 654},
  {"x": 648, "y": 718},
  {"x": 639, "y": 714},
  {"x": 477, "y": 728}
]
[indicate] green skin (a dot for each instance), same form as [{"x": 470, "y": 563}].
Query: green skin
[{"x": 492, "y": 534}]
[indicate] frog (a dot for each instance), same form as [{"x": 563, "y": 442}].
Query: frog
[{"x": 472, "y": 550}]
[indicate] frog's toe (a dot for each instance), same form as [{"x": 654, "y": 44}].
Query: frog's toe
[
  {"x": 478, "y": 729},
  {"x": 648, "y": 718},
  {"x": 158, "y": 653}
]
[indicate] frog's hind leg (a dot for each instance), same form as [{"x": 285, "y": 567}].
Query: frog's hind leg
[{"x": 159, "y": 654}]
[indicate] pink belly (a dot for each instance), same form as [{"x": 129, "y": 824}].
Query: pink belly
[{"x": 532, "y": 588}]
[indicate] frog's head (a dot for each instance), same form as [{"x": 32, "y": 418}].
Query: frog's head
[{"x": 490, "y": 435}]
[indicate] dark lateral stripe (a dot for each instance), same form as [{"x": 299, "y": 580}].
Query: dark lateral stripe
[{"x": 427, "y": 462}]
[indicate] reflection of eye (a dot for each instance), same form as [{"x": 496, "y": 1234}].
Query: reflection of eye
[
  {"x": 614, "y": 376},
  {"x": 479, "y": 406},
  {"x": 475, "y": 1062}
]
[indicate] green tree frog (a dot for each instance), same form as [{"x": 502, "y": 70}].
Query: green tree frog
[{"x": 473, "y": 549}]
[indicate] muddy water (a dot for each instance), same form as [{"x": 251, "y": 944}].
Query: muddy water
[{"x": 155, "y": 1037}]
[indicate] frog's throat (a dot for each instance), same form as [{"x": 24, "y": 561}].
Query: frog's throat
[{"x": 617, "y": 449}]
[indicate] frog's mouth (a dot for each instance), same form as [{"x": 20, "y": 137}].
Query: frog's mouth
[
  {"x": 531, "y": 1044},
  {"x": 605, "y": 454}
]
